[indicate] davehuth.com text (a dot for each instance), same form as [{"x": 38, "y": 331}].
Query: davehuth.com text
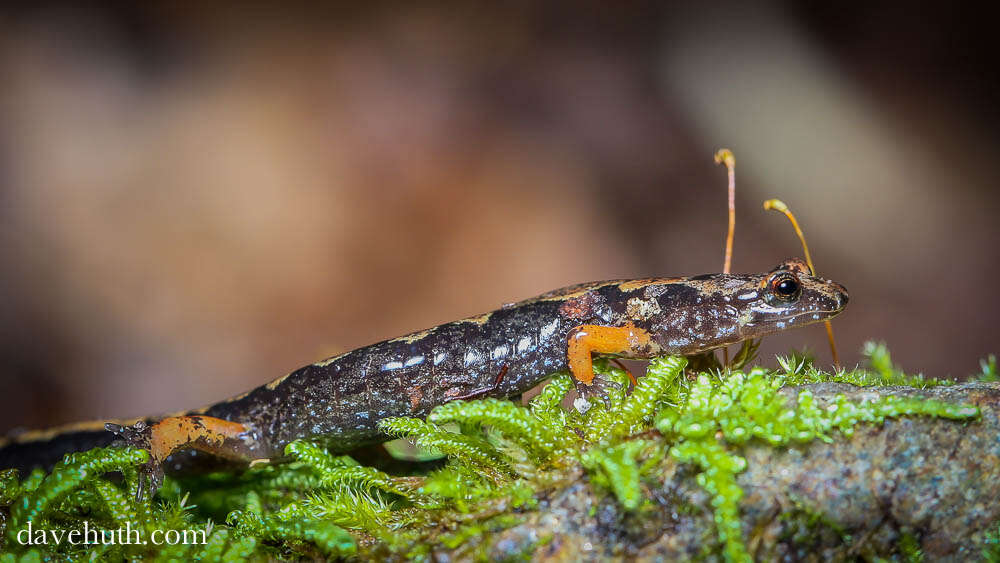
[{"x": 126, "y": 535}]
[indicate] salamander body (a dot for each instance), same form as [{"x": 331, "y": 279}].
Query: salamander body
[{"x": 499, "y": 354}]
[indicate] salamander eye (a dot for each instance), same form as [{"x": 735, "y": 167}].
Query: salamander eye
[{"x": 785, "y": 286}]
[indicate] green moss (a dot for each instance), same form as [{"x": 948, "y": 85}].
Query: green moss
[
  {"x": 514, "y": 422},
  {"x": 909, "y": 548},
  {"x": 501, "y": 459},
  {"x": 78, "y": 496},
  {"x": 881, "y": 371},
  {"x": 991, "y": 544},
  {"x": 989, "y": 369},
  {"x": 468, "y": 450},
  {"x": 617, "y": 468},
  {"x": 296, "y": 525}
]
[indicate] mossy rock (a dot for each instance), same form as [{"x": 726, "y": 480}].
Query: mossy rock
[{"x": 797, "y": 464}]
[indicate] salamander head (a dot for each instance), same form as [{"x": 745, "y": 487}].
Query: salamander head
[
  {"x": 788, "y": 296},
  {"x": 721, "y": 309}
]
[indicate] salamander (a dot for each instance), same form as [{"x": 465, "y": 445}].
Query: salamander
[{"x": 498, "y": 354}]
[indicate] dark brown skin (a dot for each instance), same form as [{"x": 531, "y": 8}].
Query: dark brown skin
[{"x": 498, "y": 354}]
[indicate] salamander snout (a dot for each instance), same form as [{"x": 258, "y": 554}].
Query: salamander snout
[{"x": 840, "y": 295}]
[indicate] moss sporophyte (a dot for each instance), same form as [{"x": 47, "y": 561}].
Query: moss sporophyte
[{"x": 499, "y": 462}]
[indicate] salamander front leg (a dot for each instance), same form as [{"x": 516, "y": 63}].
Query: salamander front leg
[
  {"x": 586, "y": 340},
  {"x": 223, "y": 438}
]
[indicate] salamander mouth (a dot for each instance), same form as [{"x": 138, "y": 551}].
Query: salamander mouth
[
  {"x": 822, "y": 315},
  {"x": 830, "y": 312}
]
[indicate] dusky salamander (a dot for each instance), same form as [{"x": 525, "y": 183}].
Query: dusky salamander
[{"x": 499, "y": 354}]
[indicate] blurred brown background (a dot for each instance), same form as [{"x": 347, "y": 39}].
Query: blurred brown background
[{"x": 195, "y": 200}]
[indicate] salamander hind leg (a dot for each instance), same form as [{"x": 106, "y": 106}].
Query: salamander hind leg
[{"x": 223, "y": 438}]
